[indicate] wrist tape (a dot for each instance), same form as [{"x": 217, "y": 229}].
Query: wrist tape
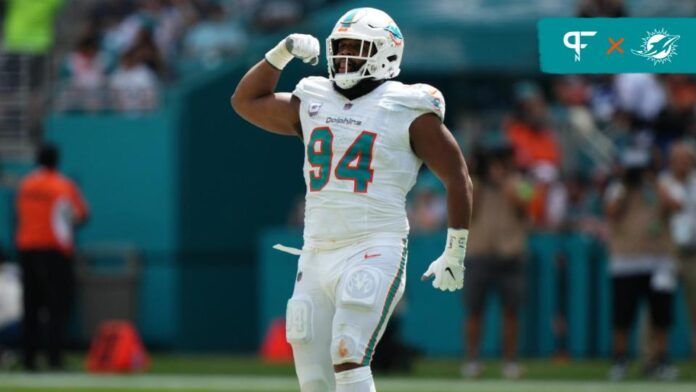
[
  {"x": 279, "y": 56},
  {"x": 456, "y": 243}
]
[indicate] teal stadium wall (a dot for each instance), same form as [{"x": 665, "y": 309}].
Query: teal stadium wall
[
  {"x": 6, "y": 218},
  {"x": 125, "y": 167},
  {"x": 235, "y": 181}
]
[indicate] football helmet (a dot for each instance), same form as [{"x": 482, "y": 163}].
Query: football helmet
[{"x": 378, "y": 32}]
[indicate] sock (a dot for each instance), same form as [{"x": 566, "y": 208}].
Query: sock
[{"x": 355, "y": 380}]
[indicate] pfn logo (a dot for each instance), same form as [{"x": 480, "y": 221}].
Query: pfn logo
[{"x": 572, "y": 40}]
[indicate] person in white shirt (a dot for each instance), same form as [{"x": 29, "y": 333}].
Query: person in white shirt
[
  {"x": 133, "y": 85},
  {"x": 678, "y": 185}
]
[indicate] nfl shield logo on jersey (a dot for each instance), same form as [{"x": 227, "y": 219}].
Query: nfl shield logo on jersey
[{"x": 314, "y": 109}]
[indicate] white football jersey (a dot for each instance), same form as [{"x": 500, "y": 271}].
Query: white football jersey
[{"x": 359, "y": 164}]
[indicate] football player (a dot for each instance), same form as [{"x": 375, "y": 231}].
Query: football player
[{"x": 365, "y": 138}]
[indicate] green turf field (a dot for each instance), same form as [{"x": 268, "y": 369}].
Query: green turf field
[
  {"x": 69, "y": 382},
  {"x": 245, "y": 374}
]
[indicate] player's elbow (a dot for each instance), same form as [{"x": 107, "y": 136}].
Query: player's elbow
[
  {"x": 469, "y": 185},
  {"x": 241, "y": 102},
  {"x": 460, "y": 182}
]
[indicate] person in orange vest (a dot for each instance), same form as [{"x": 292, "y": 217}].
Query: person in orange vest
[{"x": 49, "y": 206}]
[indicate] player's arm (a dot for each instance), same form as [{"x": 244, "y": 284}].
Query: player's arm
[
  {"x": 255, "y": 98},
  {"x": 434, "y": 144}
]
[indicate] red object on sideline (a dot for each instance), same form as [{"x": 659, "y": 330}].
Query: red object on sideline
[
  {"x": 275, "y": 348},
  {"x": 117, "y": 348}
]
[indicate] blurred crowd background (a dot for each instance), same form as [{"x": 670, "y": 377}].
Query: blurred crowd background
[{"x": 135, "y": 92}]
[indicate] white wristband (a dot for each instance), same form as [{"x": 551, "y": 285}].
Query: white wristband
[
  {"x": 456, "y": 243},
  {"x": 279, "y": 56}
]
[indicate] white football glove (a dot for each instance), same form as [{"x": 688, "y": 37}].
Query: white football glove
[
  {"x": 303, "y": 46},
  {"x": 448, "y": 269}
]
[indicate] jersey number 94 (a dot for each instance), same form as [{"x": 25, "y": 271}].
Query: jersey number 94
[{"x": 355, "y": 165}]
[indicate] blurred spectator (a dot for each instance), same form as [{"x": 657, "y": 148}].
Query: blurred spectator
[
  {"x": 168, "y": 20},
  {"x": 134, "y": 85},
  {"x": 10, "y": 311},
  {"x": 28, "y": 27},
  {"x": 48, "y": 206},
  {"x": 85, "y": 72},
  {"x": 500, "y": 201},
  {"x": 118, "y": 32},
  {"x": 602, "y": 8},
  {"x": 277, "y": 14},
  {"x": 602, "y": 98},
  {"x": 155, "y": 25},
  {"x": 528, "y": 129},
  {"x": 584, "y": 146},
  {"x": 640, "y": 266},
  {"x": 27, "y": 39},
  {"x": 215, "y": 38},
  {"x": 548, "y": 205},
  {"x": 677, "y": 119},
  {"x": 104, "y": 12},
  {"x": 428, "y": 211},
  {"x": 583, "y": 215},
  {"x": 641, "y": 97},
  {"x": 128, "y": 34},
  {"x": 161, "y": 22},
  {"x": 678, "y": 185},
  {"x": 584, "y": 208},
  {"x": 148, "y": 52}
]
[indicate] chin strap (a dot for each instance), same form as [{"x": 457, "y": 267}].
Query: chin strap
[{"x": 361, "y": 88}]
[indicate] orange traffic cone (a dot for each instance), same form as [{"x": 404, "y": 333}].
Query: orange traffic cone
[
  {"x": 275, "y": 348},
  {"x": 117, "y": 349}
]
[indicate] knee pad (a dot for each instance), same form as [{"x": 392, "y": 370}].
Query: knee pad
[
  {"x": 298, "y": 320},
  {"x": 360, "y": 288},
  {"x": 344, "y": 345}
]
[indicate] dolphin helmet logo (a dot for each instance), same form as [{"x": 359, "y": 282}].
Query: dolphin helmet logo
[
  {"x": 395, "y": 34},
  {"x": 348, "y": 20},
  {"x": 659, "y": 47}
]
